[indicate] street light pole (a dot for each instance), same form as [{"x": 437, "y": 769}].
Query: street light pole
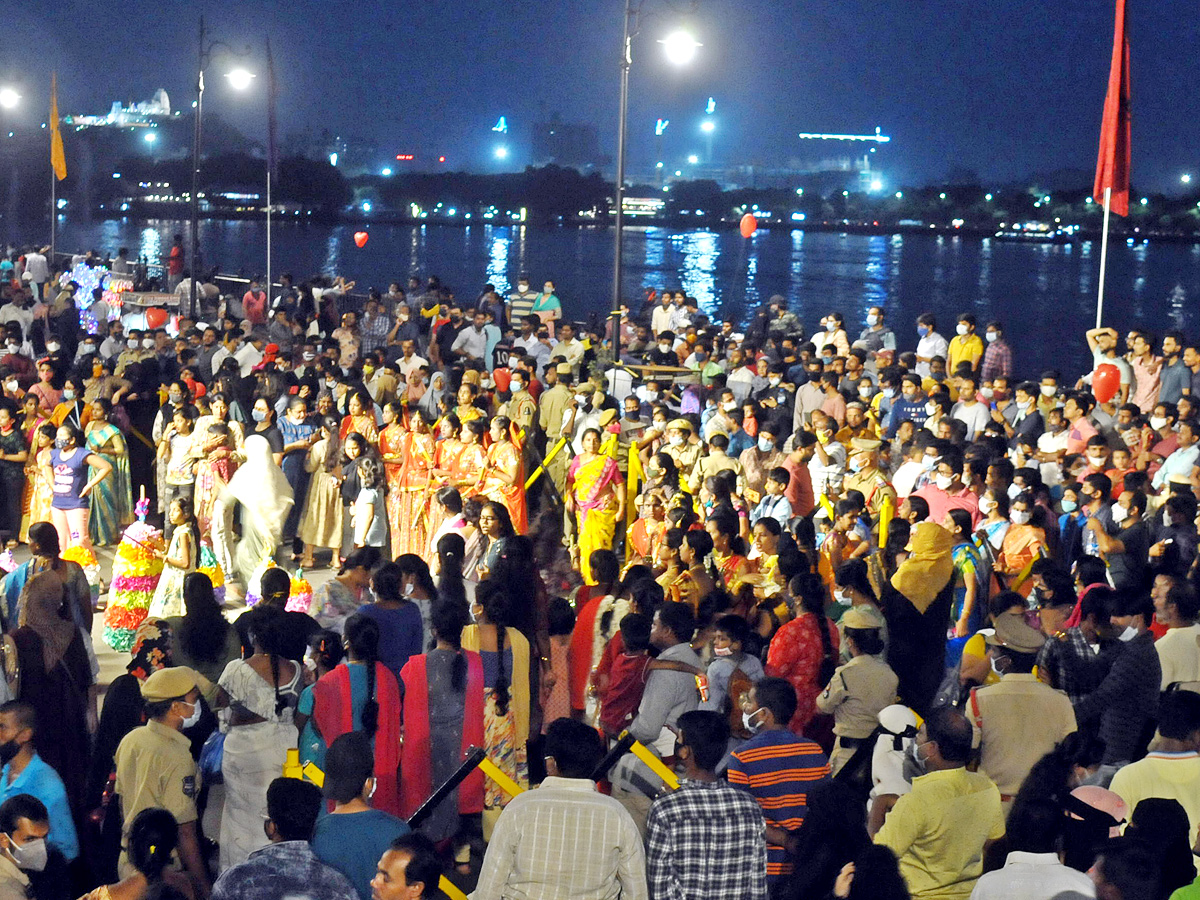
[
  {"x": 196, "y": 136},
  {"x": 619, "y": 240}
]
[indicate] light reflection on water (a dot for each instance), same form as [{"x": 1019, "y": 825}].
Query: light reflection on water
[{"x": 1043, "y": 292}]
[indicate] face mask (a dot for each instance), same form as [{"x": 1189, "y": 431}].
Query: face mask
[
  {"x": 193, "y": 717},
  {"x": 8, "y": 751},
  {"x": 774, "y": 381},
  {"x": 1013, "y": 490},
  {"x": 842, "y": 597},
  {"x": 258, "y": 415},
  {"x": 474, "y": 615},
  {"x": 765, "y": 445},
  {"x": 748, "y": 721},
  {"x": 991, "y": 336},
  {"x": 52, "y": 346},
  {"x": 722, "y": 651},
  {"x": 864, "y": 392},
  {"x": 826, "y": 359},
  {"x": 30, "y": 857},
  {"x": 986, "y": 506},
  {"x": 522, "y": 287},
  {"x": 664, "y": 347},
  {"x": 1020, "y": 517},
  {"x": 132, "y": 343},
  {"x": 996, "y": 668},
  {"x": 1119, "y": 514},
  {"x": 889, "y": 392},
  {"x": 1048, "y": 390},
  {"x": 60, "y": 443},
  {"x": 856, "y": 465},
  {"x": 675, "y": 440},
  {"x": 872, "y": 320},
  {"x": 13, "y": 348},
  {"x": 330, "y": 383},
  {"x": 175, "y": 397},
  {"x": 944, "y": 481},
  {"x": 148, "y": 344},
  {"x": 831, "y": 326},
  {"x": 930, "y": 409},
  {"x": 11, "y": 385},
  {"x": 922, "y": 330},
  {"x": 1158, "y": 423},
  {"x": 988, "y": 393},
  {"x": 962, "y": 328},
  {"x": 914, "y": 755},
  {"x": 1024, "y": 404},
  {"x": 929, "y": 463},
  {"x": 516, "y": 386},
  {"x": 68, "y": 394},
  {"x": 1128, "y": 634},
  {"x": 309, "y": 357},
  {"x": 1069, "y": 506},
  {"x": 729, "y": 405}
]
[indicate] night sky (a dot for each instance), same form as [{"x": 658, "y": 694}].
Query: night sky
[{"x": 1007, "y": 88}]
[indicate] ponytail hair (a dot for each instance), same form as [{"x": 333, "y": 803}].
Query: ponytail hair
[
  {"x": 451, "y": 548},
  {"x": 498, "y": 608},
  {"x": 701, "y": 545},
  {"x": 448, "y": 619},
  {"x": 264, "y": 631},
  {"x": 362, "y": 636}
]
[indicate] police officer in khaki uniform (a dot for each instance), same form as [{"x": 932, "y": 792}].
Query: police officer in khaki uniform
[
  {"x": 681, "y": 448},
  {"x": 155, "y": 768},
  {"x": 865, "y": 475},
  {"x": 1020, "y": 719},
  {"x": 858, "y": 689},
  {"x": 716, "y": 461},
  {"x": 521, "y": 408},
  {"x": 551, "y": 406}
]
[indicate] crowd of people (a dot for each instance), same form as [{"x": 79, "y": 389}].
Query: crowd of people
[{"x": 900, "y": 622}]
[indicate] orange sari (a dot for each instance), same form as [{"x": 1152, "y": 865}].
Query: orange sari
[
  {"x": 391, "y": 447},
  {"x": 413, "y": 494},
  {"x": 364, "y": 424},
  {"x": 468, "y": 469},
  {"x": 503, "y": 454}
]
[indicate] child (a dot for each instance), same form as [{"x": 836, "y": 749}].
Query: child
[
  {"x": 1122, "y": 464},
  {"x": 732, "y": 671},
  {"x": 324, "y": 654},
  {"x": 774, "y": 504},
  {"x": 622, "y": 693},
  {"x": 556, "y": 702}
]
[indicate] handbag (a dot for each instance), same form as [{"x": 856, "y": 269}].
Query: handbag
[{"x": 212, "y": 754}]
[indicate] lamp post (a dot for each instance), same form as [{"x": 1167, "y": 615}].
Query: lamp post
[
  {"x": 680, "y": 47},
  {"x": 239, "y": 79}
]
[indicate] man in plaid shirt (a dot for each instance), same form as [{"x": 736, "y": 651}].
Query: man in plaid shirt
[
  {"x": 997, "y": 358},
  {"x": 707, "y": 839}
]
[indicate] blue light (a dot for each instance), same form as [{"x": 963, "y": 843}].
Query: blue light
[
  {"x": 366, "y": 206},
  {"x": 386, "y": 173}
]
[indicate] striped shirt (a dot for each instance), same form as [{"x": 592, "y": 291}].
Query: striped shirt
[
  {"x": 778, "y": 769},
  {"x": 563, "y": 840}
]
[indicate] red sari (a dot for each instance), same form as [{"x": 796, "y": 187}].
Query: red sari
[
  {"x": 417, "y": 785},
  {"x": 413, "y": 495},
  {"x": 392, "y": 441},
  {"x": 504, "y": 454},
  {"x": 795, "y": 654},
  {"x": 333, "y": 711}
]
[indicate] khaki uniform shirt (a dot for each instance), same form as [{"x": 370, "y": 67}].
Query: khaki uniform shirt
[
  {"x": 856, "y": 694},
  {"x": 14, "y": 884},
  {"x": 685, "y": 455},
  {"x": 873, "y": 485},
  {"x": 1017, "y": 722},
  {"x": 522, "y": 409},
  {"x": 711, "y": 465},
  {"x": 155, "y": 769},
  {"x": 550, "y": 411}
]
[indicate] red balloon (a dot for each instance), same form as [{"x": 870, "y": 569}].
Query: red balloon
[
  {"x": 360, "y": 238},
  {"x": 1106, "y": 381},
  {"x": 155, "y": 317},
  {"x": 749, "y": 225}
]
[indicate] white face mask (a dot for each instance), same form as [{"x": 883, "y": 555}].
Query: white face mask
[
  {"x": 765, "y": 445},
  {"x": 842, "y": 596},
  {"x": 1128, "y": 634},
  {"x": 729, "y": 405},
  {"x": 986, "y": 506},
  {"x": 52, "y": 346},
  {"x": 675, "y": 440},
  {"x": 988, "y": 392},
  {"x": 991, "y": 336},
  {"x": 864, "y": 392},
  {"x": 774, "y": 380},
  {"x": 722, "y": 651},
  {"x": 194, "y": 717},
  {"x": 944, "y": 481},
  {"x": 147, "y": 344},
  {"x": 1048, "y": 390},
  {"x": 872, "y": 320},
  {"x": 831, "y": 326},
  {"x": 962, "y": 328},
  {"x": 930, "y": 409},
  {"x": 1158, "y": 423},
  {"x": 30, "y": 856},
  {"x": 748, "y": 721},
  {"x": 1119, "y": 514},
  {"x": 1166, "y": 519},
  {"x": 1020, "y": 517},
  {"x": 1013, "y": 490},
  {"x": 664, "y": 347}
]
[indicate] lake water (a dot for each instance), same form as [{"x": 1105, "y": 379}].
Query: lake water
[{"x": 1045, "y": 294}]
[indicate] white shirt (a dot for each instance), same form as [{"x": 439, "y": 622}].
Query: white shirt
[
  {"x": 571, "y": 351},
  {"x": 471, "y": 342},
  {"x": 1052, "y": 443},
  {"x": 1179, "y": 654},
  {"x": 10, "y": 312},
  {"x": 408, "y": 366},
  {"x": 36, "y": 266},
  {"x": 905, "y": 479},
  {"x": 824, "y": 475},
  {"x": 976, "y": 416},
  {"x": 933, "y": 344},
  {"x": 564, "y": 840},
  {"x": 1032, "y": 876},
  {"x": 660, "y": 320},
  {"x": 247, "y": 358}
]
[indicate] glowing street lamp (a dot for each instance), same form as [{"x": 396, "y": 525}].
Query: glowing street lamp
[
  {"x": 9, "y": 98},
  {"x": 708, "y": 125},
  {"x": 501, "y": 153},
  {"x": 680, "y": 47},
  {"x": 1186, "y": 178},
  {"x": 240, "y": 79},
  {"x": 149, "y": 137},
  {"x": 693, "y": 159}
]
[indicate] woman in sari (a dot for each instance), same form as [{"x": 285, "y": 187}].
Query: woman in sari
[
  {"x": 443, "y": 718},
  {"x": 260, "y": 694},
  {"x": 504, "y": 476},
  {"x": 218, "y": 462},
  {"x": 448, "y": 448},
  {"x": 505, "y": 656},
  {"x": 72, "y": 407},
  {"x": 1023, "y": 543},
  {"x": 112, "y": 498},
  {"x": 468, "y": 468},
  {"x": 393, "y": 440},
  {"x": 360, "y": 417},
  {"x": 466, "y": 410},
  {"x": 547, "y": 307},
  {"x": 299, "y": 434},
  {"x": 729, "y": 550},
  {"x": 412, "y": 497},
  {"x": 39, "y": 483},
  {"x": 803, "y": 647},
  {"x": 266, "y": 497},
  {"x": 970, "y": 587},
  {"x": 596, "y": 496},
  {"x": 321, "y": 525}
]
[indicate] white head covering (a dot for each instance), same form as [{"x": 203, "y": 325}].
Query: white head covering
[{"x": 264, "y": 493}]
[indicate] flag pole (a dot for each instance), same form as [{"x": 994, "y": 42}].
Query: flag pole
[
  {"x": 53, "y": 212},
  {"x": 1103, "y": 256},
  {"x": 269, "y": 288}
]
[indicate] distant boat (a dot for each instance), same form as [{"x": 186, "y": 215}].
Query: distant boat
[{"x": 1035, "y": 233}]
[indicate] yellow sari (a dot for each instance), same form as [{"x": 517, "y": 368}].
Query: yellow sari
[{"x": 593, "y": 485}]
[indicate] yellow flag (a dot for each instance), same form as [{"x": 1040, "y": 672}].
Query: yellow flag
[{"x": 58, "y": 159}]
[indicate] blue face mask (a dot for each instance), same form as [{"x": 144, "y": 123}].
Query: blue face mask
[
  {"x": 258, "y": 415},
  {"x": 922, "y": 330},
  {"x": 1069, "y": 506}
]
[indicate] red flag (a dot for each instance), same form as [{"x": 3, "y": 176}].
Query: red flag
[{"x": 1112, "y": 166}]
